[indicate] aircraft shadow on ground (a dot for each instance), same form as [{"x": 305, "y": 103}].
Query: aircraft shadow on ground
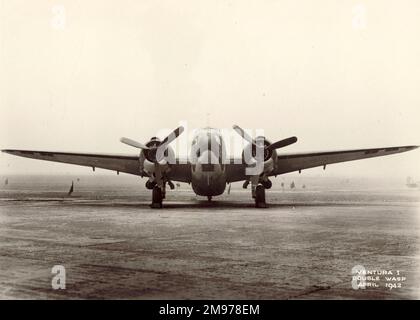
[
  {"x": 181, "y": 204},
  {"x": 234, "y": 204},
  {"x": 203, "y": 204}
]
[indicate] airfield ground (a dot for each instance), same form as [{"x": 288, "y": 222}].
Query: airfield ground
[{"x": 113, "y": 245}]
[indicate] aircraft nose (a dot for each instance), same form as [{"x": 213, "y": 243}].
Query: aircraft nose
[{"x": 208, "y": 157}]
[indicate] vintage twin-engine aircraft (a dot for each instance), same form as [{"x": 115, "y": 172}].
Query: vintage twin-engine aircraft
[{"x": 208, "y": 169}]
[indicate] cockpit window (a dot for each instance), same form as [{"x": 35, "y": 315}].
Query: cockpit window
[{"x": 209, "y": 140}]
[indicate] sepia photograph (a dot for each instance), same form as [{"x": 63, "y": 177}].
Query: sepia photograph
[{"x": 230, "y": 150}]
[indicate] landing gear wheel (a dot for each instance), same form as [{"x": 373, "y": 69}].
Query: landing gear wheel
[
  {"x": 267, "y": 184},
  {"x": 156, "y": 198},
  {"x": 150, "y": 185},
  {"x": 260, "y": 197}
]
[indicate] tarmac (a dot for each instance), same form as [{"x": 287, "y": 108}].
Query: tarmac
[{"x": 114, "y": 246}]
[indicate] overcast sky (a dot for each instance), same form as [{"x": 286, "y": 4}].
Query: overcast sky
[{"x": 78, "y": 75}]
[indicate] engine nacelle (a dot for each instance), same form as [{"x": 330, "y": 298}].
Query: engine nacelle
[
  {"x": 156, "y": 158},
  {"x": 158, "y": 154},
  {"x": 250, "y": 151},
  {"x": 250, "y": 157}
]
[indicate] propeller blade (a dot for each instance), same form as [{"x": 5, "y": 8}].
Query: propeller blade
[
  {"x": 282, "y": 143},
  {"x": 133, "y": 143},
  {"x": 243, "y": 134},
  {"x": 173, "y": 135}
]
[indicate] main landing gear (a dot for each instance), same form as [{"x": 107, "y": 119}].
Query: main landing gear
[
  {"x": 258, "y": 187},
  {"x": 158, "y": 192},
  {"x": 157, "y": 197},
  {"x": 260, "y": 197}
]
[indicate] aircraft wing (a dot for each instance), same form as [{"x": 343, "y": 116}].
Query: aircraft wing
[
  {"x": 299, "y": 161},
  {"x": 122, "y": 163},
  {"x": 235, "y": 172},
  {"x": 181, "y": 171},
  {"x": 295, "y": 162}
]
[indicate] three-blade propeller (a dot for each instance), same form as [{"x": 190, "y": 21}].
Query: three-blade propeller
[
  {"x": 270, "y": 147},
  {"x": 152, "y": 146}
]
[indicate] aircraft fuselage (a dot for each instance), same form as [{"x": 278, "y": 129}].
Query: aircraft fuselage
[{"x": 208, "y": 175}]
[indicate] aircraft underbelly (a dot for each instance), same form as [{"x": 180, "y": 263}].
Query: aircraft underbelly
[{"x": 209, "y": 183}]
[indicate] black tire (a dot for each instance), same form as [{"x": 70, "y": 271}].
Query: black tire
[
  {"x": 260, "y": 197},
  {"x": 267, "y": 184},
  {"x": 150, "y": 185},
  {"x": 157, "y": 197}
]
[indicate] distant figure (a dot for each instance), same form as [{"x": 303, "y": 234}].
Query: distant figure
[
  {"x": 71, "y": 188},
  {"x": 178, "y": 185},
  {"x": 282, "y": 186},
  {"x": 303, "y": 187},
  {"x": 6, "y": 182},
  {"x": 292, "y": 185},
  {"x": 78, "y": 179},
  {"x": 411, "y": 183}
]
